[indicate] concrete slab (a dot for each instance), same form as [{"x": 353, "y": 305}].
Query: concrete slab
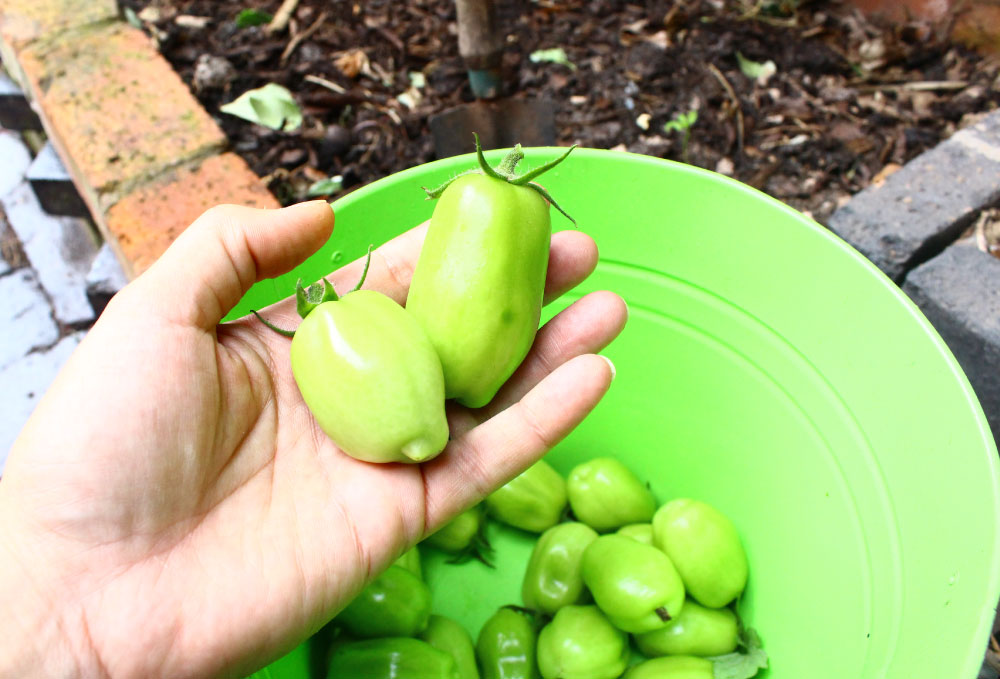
[
  {"x": 26, "y": 318},
  {"x": 60, "y": 249},
  {"x": 24, "y": 383}
]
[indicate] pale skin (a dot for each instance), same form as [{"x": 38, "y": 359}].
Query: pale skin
[{"x": 171, "y": 508}]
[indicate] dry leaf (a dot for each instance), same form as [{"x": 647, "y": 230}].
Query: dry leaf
[{"x": 352, "y": 62}]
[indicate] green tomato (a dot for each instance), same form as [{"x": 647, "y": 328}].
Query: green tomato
[
  {"x": 696, "y": 631},
  {"x": 605, "y": 494},
  {"x": 533, "y": 501},
  {"x": 391, "y": 658},
  {"x": 553, "y": 579},
  {"x": 580, "y": 643},
  {"x": 371, "y": 378},
  {"x": 410, "y": 560},
  {"x": 447, "y": 635},
  {"x": 395, "y": 604},
  {"x": 676, "y": 667},
  {"x": 478, "y": 284},
  {"x": 464, "y": 536},
  {"x": 507, "y": 645},
  {"x": 640, "y": 532},
  {"x": 706, "y": 549},
  {"x": 634, "y": 584}
]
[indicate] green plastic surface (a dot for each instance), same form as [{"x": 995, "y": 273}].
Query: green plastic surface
[{"x": 769, "y": 369}]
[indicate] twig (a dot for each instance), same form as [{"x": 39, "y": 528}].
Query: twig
[
  {"x": 299, "y": 38},
  {"x": 323, "y": 82},
  {"x": 736, "y": 103},
  {"x": 917, "y": 86},
  {"x": 279, "y": 21}
]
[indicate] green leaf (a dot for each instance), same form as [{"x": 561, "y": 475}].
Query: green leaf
[
  {"x": 556, "y": 55},
  {"x": 742, "y": 664},
  {"x": 271, "y": 106},
  {"x": 755, "y": 70},
  {"x": 324, "y": 187},
  {"x": 252, "y": 17},
  {"x": 132, "y": 18}
]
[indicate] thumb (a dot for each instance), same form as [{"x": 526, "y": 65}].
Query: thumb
[{"x": 212, "y": 264}]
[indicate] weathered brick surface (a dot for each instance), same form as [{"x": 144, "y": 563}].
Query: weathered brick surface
[
  {"x": 24, "y": 21},
  {"x": 927, "y": 204},
  {"x": 115, "y": 109},
  {"x": 145, "y": 222},
  {"x": 959, "y": 292}
]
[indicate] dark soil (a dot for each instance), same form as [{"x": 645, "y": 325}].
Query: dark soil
[{"x": 849, "y": 100}]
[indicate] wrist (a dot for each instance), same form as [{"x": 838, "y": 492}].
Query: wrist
[{"x": 39, "y": 634}]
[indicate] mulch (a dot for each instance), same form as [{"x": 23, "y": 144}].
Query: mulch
[{"x": 843, "y": 100}]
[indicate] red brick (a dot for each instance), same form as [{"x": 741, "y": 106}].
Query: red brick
[
  {"x": 24, "y": 21},
  {"x": 116, "y": 110},
  {"x": 978, "y": 26},
  {"x": 142, "y": 224}
]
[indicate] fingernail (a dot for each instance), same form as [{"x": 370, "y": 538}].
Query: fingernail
[{"x": 610, "y": 365}]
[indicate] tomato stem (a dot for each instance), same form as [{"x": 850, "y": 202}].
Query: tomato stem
[
  {"x": 505, "y": 171},
  {"x": 272, "y": 326},
  {"x": 364, "y": 274}
]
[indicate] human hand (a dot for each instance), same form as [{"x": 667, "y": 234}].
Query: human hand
[{"x": 171, "y": 507}]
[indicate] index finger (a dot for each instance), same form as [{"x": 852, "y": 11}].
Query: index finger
[{"x": 572, "y": 257}]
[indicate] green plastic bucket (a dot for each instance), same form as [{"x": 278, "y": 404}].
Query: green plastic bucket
[{"x": 772, "y": 371}]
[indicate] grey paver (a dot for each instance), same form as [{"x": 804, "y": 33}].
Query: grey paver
[
  {"x": 105, "y": 279},
  {"x": 959, "y": 292},
  {"x": 25, "y": 315},
  {"x": 53, "y": 186},
  {"x": 24, "y": 382},
  {"x": 14, "y": 161},
  {"x": 60, "y": 250},
  {"x": 15, "y": 111},
  {"x": 921, "y": 208}
]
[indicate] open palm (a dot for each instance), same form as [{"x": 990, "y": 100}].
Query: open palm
[{"x": 172, "y": 507}]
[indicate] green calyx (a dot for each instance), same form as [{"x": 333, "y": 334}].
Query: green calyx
[
  {"x": 308, "y": 298},
  {"x": 505, "y": 171}
]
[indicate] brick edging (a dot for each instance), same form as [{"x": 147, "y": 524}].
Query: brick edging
[{"x": 145, "y": 156}]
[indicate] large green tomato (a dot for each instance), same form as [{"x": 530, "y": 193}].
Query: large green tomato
[
  {"x": 581, "y": 643},
  {"x": 634, "y": 584},
  {"x": 675, "y": 667},
  {"x": 371, "y": 378},
  {"x": 695, "y": 631},
  {"x": 706, "y": 549},
  {"x": 478, "y": 284}
]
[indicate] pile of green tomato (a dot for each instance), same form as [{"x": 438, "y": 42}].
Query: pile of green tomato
[{"x": 610, "y": 570}]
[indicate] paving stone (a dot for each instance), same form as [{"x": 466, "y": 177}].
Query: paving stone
[
  {"x": 53, "y": 186},
  {"x": 145, "y": 222},
  {"x": 26, "y": 317},
  {"x": 928, "y": 203},
  {"x": 105, "y": 278},
  {"x": 115, "y": 109},
  {"x": 15, "y": 111},
  {"x": 24, "y": 384},
  {"x": 60, "y": 250},
  {"x": 959, "y": 292},
  {"x": 14, "y": 161}
]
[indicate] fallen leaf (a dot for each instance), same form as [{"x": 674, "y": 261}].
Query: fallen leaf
[
  {"x": 880, "y": 177},
  {"x": 555, "y": 55},
  {"x": 755, "y": 70},
  {"x": 352, "y": 62},
  {"x": 271, "y": 106}
]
